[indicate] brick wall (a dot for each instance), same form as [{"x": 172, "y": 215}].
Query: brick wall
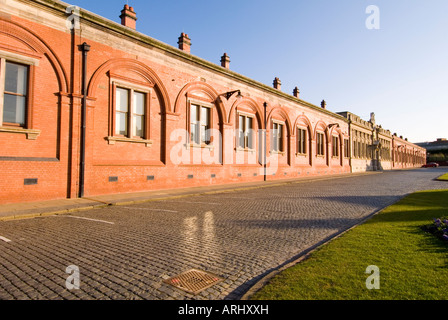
[{"x": 173, "y": 80}]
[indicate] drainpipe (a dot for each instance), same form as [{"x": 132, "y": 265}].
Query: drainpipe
[
  {"x": 350, "y": 142},
  {"x": 84, "y": 48},
  {"x": 265, "y": 105}
]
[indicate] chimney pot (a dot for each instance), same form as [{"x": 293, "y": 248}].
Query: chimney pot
[
  {"x": 277, "y": 84},
  {"x": 128, "y": 17},
  {"x": 296, "y": 92},
  {"x": 184, "y": 42},
  {"x": 323, "y": 104},
  {"x": 225, "y": 61}
]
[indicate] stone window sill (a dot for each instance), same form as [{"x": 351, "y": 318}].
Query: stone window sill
[
  {"x": 31, "y": 134},
  {"x": 240, "y": 149},
  {"x": 278, "y": 152},
  {"x": 113, "y": 140},
  {"x": 202, "y": 146}
]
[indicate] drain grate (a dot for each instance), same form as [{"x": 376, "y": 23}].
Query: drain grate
[{"x": 193, "y": 281}]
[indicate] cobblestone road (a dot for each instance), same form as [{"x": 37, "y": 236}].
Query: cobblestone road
[{"x": 125, "y": 252}]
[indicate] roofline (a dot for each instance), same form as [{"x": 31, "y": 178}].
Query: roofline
[{"x": 95, "y": 19}]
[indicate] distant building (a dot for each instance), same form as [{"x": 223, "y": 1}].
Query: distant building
[
  {"x": 436, "y": 151},
  {"x": 373, "y": 148}
]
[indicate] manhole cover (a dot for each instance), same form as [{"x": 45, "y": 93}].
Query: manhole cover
[{"x": 193, "y": 281}]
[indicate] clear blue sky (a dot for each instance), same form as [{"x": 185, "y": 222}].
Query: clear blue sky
[{"x": 400, "y": 71}]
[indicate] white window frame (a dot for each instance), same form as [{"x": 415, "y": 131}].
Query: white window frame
[
  {"x": 318, "y": 154},
  {"x": 280, "y": 140},
  {"x": 246, "y": 134},
  {"x": 304, "y": 143},
  {"x": 5, "y": 56},
  {"x": 335, "y": 146},
  {"x": 210, "y": 107},
  {"x": 129, "y": 137}
]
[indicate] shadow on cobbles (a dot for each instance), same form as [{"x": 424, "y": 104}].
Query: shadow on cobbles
[
  {"x": 362, "y": 200},
  {"x": 326, "y": 223},
  {"x": 239, "y": 292}
]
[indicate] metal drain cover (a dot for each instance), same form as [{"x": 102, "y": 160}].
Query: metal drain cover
[{"x": 193, "y": 281}]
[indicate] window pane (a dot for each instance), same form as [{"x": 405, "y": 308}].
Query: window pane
[
  {"x": 138, "y": 126},
  {"x": 302, "y": 138},
  {"x": 241, "y": 131},
  {"x": 249, "y": 132},
  {"x": 194, "y": 113},
  {"x": 122, "y": 100},
  {"x": 241, "y": 123},
  {"x": 205, "y": 116},
  {"x": 205, "y": 125},
  {"x": 319, "y": 144},
  {"x": 250, "y": 143},
  {"x": 194, "y": 133},
  {"x": 248, "y": 123},
  {"x": 303, "y": 141},
  {"x": 275, "y": 144},
  {"x": 280, "y": 137},
  {"x": 204, "y": 134},
  {"x": 139, "y": 103},
  {"x": 121, "y": 124},
  {"x": 274, "y": 137},
  {"x": 14, "y": 109},
  {"x": 16, "y": 78}
]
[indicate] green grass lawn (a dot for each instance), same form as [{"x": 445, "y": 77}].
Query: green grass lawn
[
  {"x": 443, "y": 177},
  {"x": 413, "y": 264}
]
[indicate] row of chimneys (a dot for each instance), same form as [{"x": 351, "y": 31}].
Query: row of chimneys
[{"x": 129, "y": 19}]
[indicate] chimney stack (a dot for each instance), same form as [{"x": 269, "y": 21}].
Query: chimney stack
[
  {"x": 128, "y": 17},
  {"x": 296, "y": 92},
  {"x": 323, "y": 104},
  {"x": 225, "y": 61},
  {"x": 184, "y": 42},
  {"x": 277, "y": 84}
]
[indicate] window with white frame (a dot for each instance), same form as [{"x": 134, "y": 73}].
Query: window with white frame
[
  {"x": 14, "y": 93},
  {"x": 245, "y": 131},
  {"x": 320, "y": 149},
  {"x": 335, "y": 146},
  {"x": 301, "y": 141},
  {"x": 277, "y": 137},
  {"x": 130, "y": 112},
  {"x": 200, "y": 124},
  {"x": 346, "y": 148}
]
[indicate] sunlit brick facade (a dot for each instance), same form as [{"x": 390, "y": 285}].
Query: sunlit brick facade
[{"x": 155, "y": 116}]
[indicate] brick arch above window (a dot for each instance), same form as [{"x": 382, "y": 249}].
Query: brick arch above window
[
  {"x": 280, "y": 114},
  {"x": 303, "y": 121},
  {"x": 249, "y": 104},
  {"x": 199, "y": 90},
  {"x": 136, "y": 66},
  {"x": 321, "y": 127},
  {"x": 37, "y": 46},
  {"x": 304, "y": 146}
]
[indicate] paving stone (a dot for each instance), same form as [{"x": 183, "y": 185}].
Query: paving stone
[{"x": 239, "y": 236}]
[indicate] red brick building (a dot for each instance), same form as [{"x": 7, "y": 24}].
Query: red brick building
[{"x": 89, "y": 106}]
